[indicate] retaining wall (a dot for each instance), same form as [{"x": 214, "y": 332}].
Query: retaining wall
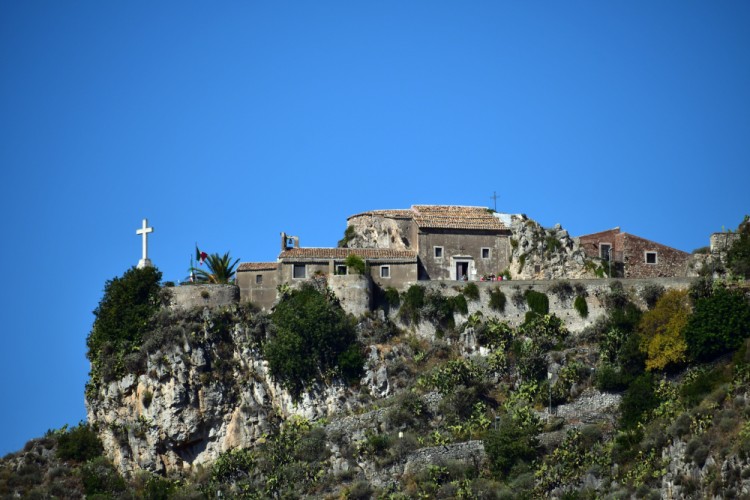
[
  {"x": 208, "y": 295},
  {"x": 515, "y": 310}
]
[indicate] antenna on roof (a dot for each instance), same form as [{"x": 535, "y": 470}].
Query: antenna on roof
[{"x": 494, "y": 198}]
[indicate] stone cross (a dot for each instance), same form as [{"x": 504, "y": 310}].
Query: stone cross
[{"x": 144, "y": 230}]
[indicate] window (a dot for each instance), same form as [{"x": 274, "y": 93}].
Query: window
[
  {"x": 299, "y": 271},
  {"x": 340, "y": 269},
  {"x": 438, "y": 252},
  {"x": 258, "y": 279},
  {"x": 485, "y": 253},
  {"x": 650, "y": 257},
  {"x": 385, "y": 271},
  {"x": 605, "y": 249}
]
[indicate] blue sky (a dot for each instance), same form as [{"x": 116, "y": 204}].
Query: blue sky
[{"x": 226, "y": 123}]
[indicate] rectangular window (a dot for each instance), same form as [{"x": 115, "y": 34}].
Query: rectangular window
[
  {"x": 650, "y": 257},
  {"x": 605, "y": 249},
  {"x": 385, "y": 271},
  {"x": 340, "y": 270},
  {"x": 438, "y": 252},
  {"x": 299, "y": 271},
  {"x": 485, "y": 253},
  {"x": 258, "y": 279}
]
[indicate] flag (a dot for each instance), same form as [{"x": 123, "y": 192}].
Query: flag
[{"x": 200, "y": 256}]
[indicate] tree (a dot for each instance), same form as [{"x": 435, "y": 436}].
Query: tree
[
  {"x": 719, "y": 324},
  {"x": 661, "y": 329},
  {"x": 312, "y": 339},
  {"x": 511, "y": 443},
  {"x": 221, "y": 269},
  {"x": 122, "y": 317},
  {"x": 738, "y": 256}
]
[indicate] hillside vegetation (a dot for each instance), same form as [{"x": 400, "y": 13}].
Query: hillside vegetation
[{"x": 424, "y": 398}]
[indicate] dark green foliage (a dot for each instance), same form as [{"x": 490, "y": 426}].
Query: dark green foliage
[
  {"x": 471, "y": 291},
  {"x": 440, "y": 309},
  {"x": 718, "y": 324},
  {"x": 695, "y": 389},
  {"x": 412, "y": 302},
  {"x": 701, "y": 288},
  {"x": 312, "y": 339},
  {"x": 355, "y": 263},
  {"x": 609, "y": 378},
  {"x": 159, "y": 488},
  {"x": 637, "y": 400},
  {"x": 738, "y": 256},
  {"x": 497, "y": 299},
  {"x": 547, "y": 330},
  {"x": 288, "y": 464},
  {"x": 510, "y": 444},
  {"x": 581, "y": 306},
  {"x": 99, "y": 476},
  {"x": 391, "y": 297},
  {"x": 552, "y": 244},
  {"x": 651, "y": 293},
  {"x": 493, "y": 333},
  {"x": 80, "y": 443},
  {"x": 563, "y": 290},
  {"x": 349, "y": 234},
  {"x": 122, "y": 317},
  {"x": 220, "y": 270},
  {"x": 537, "y": 301}
]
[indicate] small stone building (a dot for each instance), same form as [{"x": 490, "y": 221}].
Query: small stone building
[
  {"x": 452, "y": 242},
  {"x": 634, "y": 256},
  {"x": 258, "y": 281}
]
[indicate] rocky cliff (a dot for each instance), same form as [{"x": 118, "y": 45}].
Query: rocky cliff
[{"x": 421, "y": 418}]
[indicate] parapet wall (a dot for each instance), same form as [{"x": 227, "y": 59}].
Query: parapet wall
[
  {"x": 208, "y": 295},
  {"x": 515, "y": 310}
]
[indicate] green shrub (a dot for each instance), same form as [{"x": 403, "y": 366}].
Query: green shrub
[
  {"x": 563, "y": 290},
  {"x": 80, "y": 443},
  {"x": 651, "y": 294},
  {"x": 738, "y": 256},
  {"x": 99, "y": 476},
  {"x": 392, "y": 297},
  {"x": 471, "y": 291},
  {"x": 497, "y": 299},
  {"x": 581, "y": 306},
  {"x": 639, "y": 399},
  {"x": 538, "y": 302},
  {"x": 355, "y": 263},
  {"x": 412, "y": 302},
  {"x": 508, "y": 445},
  {"x": 609, "y": 378},
  {"x": 312, "y": 337},
  {"x": 349, "y": 234},
  {"x": 122, "y": 317},
  {"x": 718, "y": 324}
]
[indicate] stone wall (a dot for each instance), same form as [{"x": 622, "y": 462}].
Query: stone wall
[
  {"x": 722, "y": 242},
  {"x": 354, "y": 291},
  {"x": 190, "y": 296},
  {"x": 516, "y": 308}
]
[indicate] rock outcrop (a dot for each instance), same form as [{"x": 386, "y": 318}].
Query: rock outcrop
[{"x": 544, "y": 254}]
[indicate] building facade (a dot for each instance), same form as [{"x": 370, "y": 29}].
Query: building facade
[{"x": 635, "y": 257}]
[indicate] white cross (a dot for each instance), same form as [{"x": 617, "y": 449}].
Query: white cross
[{"x": 145, "y": 262}]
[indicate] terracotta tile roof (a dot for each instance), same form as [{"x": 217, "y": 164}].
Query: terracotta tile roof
[
  {"x": 444, "y": 217},
  {"x": 391, "y": 214},
  {"x": 343, "y": 253},
  {"x": 456, "y": 217},
  {"x": 258, "y": 266}
]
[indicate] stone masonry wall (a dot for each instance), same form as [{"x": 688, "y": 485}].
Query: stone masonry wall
[
  {"x": 208, "y": 295},
  {"x": 516, "y": 308}
]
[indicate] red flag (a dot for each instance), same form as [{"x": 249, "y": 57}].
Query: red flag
[{"x": 200, "y": 256}]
